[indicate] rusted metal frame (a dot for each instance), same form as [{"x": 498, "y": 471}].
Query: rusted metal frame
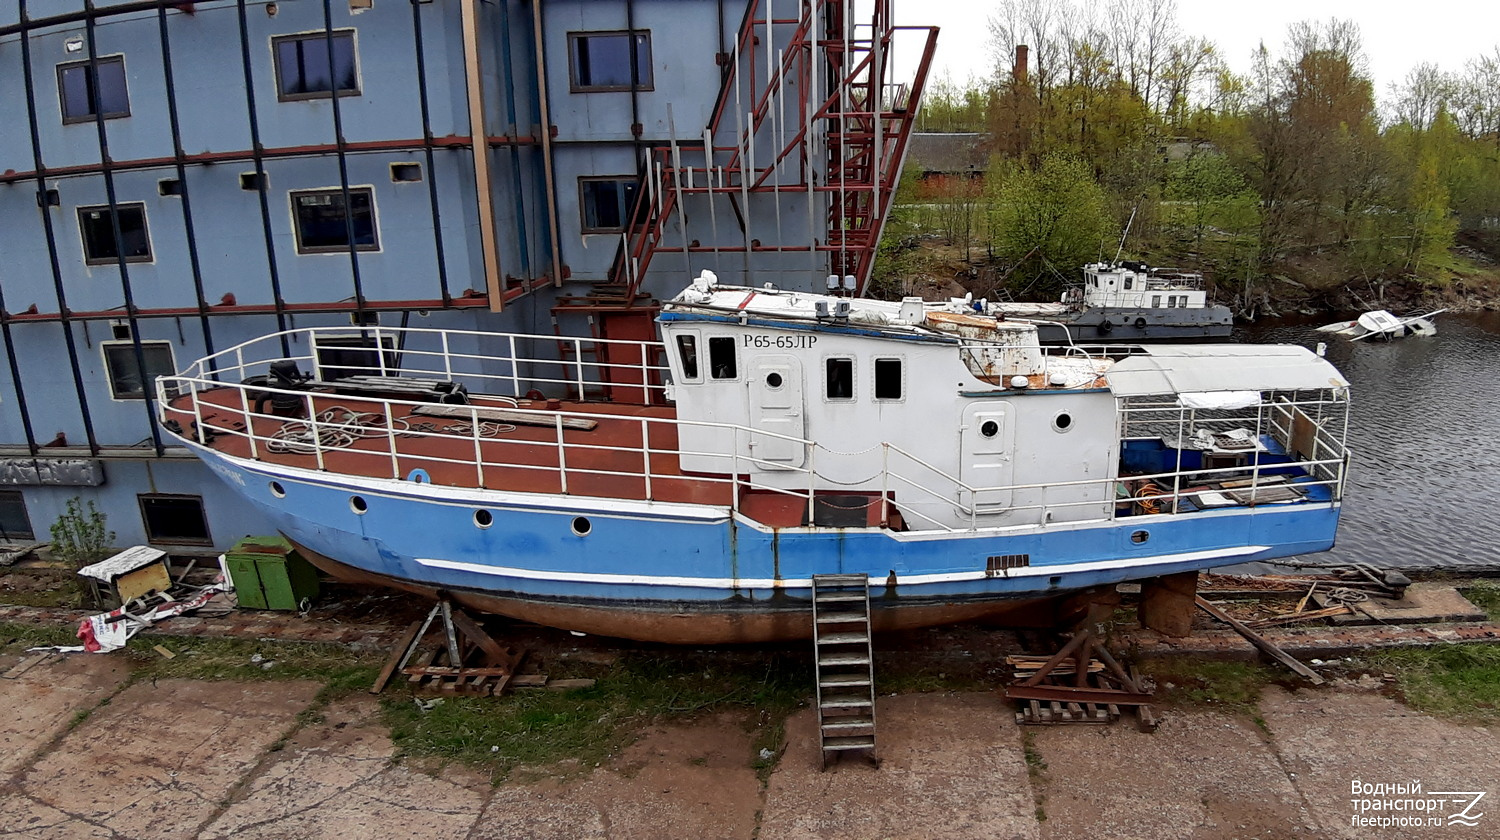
[
  {"x": 898, "y": 155},
  {"x": 471, "y": 302},
  {"x": 545, "y": 115},
  {"x": 489, "y": 245},
  {"x": 343, "y": 161},
  {"x": 148, "y": 397},
  {"x": 424, "y": 108},
  {"x": 15, "y": 375},
  {"x": 356, "y": 147},
  {"x": 174, "y": 123},
  {"x": 761, "y": 108},
  {"x": 507, "y": 69},
  {"x": 64, "y": 316},
  {"x": 89, "y": 14},
  {"x": 273, "y": 272}
]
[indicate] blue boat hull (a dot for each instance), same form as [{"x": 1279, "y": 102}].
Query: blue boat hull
[{"x": 698, "y": 574}]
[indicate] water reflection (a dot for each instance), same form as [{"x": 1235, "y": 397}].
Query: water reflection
[{"x": 1424, "y": 487}]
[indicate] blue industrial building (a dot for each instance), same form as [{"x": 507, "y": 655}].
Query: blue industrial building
[{"x": 180, "y": 177}]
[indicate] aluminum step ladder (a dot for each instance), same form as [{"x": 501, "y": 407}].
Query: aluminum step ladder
[{"x": 845, "y": 666}]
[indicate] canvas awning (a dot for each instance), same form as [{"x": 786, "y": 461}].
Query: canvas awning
[{"x": 1222, "y": 367}]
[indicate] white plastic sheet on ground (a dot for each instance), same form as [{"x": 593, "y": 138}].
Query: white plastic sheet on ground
[{"x": 109, "y": 631}]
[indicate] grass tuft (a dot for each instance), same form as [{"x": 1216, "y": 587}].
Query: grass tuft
[
  {"x": 1235, "y": 686},
  {"x": 1457, "y": 681},
  {"x": 1486, "y": 596}
]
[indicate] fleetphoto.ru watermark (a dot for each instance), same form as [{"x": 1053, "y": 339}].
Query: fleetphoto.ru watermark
[{"x": 1410, "y": 805}]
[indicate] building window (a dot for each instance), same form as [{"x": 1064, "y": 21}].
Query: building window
[
  {"x": 610, "y": 60},
  {"x": 721, "y": 360},
  {"x": 302, "y": 66},
  {"x": 97, "y": 225},
  {"x": 887, "y": 379},
  {"x": 606, "y": 203},
  {"x": 90, "y": 90},
  {"x": 840, "y": 379},
  {"x": 323, "y": 223},
  {"x": 174, "y": 519},
  {"x": 125, "y": 379},
  {"x": 15, "y": 525}
]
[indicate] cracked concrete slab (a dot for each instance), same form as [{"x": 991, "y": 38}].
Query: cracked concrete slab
[
  {"x": 680, "y": 780},
  {"x": 157, "y": 761},
  {"x": 1330, "y": 739},
  {"x": 335, "y": 780},
  {"x": 42, "y": 702},
  {"x": 951, "y": 766},
  {"x": 1201, "y": 775}
]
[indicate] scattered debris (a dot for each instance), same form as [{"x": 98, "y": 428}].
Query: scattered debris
[
  {"x": 165, "y": 653},
  {"x": 1260, "y": 642},
  {"x": 1093, "y": 692},
  {"x": 466, "y": 661}
]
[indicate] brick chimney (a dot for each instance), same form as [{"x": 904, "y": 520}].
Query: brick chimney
[{"x": 1019, "y": 70}]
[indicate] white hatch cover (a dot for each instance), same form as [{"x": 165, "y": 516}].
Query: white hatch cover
[{"x": 1225, "y": 367}]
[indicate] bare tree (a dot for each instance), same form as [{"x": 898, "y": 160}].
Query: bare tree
[{"x": 1417, "y": 99}]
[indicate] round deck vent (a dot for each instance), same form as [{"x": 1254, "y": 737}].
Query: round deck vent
[
  {"x": 483, "y": 519},
  {"x": 357, "y": 504},
  {"x": 582, "y": 526},
  {"x": 277, "y": 490}
]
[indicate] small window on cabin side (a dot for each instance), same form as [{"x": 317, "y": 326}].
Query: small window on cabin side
[
  {"x": 887, "y": 379},
  {"x": 721, "y": 360},
  {"x": 1129, "y": 282},
  {"x": 304, "y": 71},
  {"x": 100, "y": 245},
  {"x": 90, "y": 90},
  {"x": 1156, "y": 301},
  {"x": 687, "y": 351},
  {"x": 840, "y": 379},
  {"x": 602, "y": 61}
]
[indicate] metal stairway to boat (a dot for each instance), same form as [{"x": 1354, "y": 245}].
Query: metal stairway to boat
[{"x": 844, "y": 664}]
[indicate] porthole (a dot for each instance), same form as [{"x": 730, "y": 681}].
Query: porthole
[
  {"x": 277, "y": 490},
  {"x": 582, "y": 526},
  {"x": 1140, "y": 537},
  {"x": 483, "y": 519},
  {"x": 1063, "y": 421},
  {"x": 357, "y": 504},
  {"x": 773, "y": 380},
  {"x": 989, "y": 428}
]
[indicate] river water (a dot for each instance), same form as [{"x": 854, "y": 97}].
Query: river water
[{"x": 1424, "y": 485}]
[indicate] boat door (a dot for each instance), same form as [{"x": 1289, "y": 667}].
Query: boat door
[
  {"x": 776, "y": 406},
  {"x": 986, "y": 439}
]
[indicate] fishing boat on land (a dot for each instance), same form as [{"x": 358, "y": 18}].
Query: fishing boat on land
[
  {"x": 1382, "y": 324},
  {"x": 690, "y": 489},
  {"x": 1126, "y": 301}
]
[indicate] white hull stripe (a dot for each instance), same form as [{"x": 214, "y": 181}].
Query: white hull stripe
[{"x": 803, "y": 583}]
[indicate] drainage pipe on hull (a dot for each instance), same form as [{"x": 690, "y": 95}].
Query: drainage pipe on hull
[{"x": 479, "y": 136}]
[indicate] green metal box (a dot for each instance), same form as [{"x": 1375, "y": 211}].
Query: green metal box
[{"x": 269, "y": 575}]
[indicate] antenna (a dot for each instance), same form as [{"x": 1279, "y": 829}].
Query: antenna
[{"x": 1128, "y": 223}]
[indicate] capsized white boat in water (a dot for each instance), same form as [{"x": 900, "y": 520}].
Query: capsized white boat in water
[
  {"x": 1382, "y": 324},
  {"x": 690, "y": 489}
]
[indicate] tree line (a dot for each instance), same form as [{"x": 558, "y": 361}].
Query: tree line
[{"x": 1288, "y": 171}]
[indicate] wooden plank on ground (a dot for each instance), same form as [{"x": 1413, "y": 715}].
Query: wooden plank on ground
[
  {"x": 470, "y": 628},
  {"x": 1260, "y": 642},
  {"x": 397, "y": 655},
  {"x": 504, "y": 415}
]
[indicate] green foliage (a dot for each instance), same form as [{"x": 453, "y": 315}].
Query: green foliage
[
  {"x": 587, "y": 725},
  {"x": 1226, "y": 685},
  {"x": 1461, "y": 681},
  {"x": 1486, "y": 596},
  {"x": 80, "y": 536},
  {"x": 1048, "y": 221}
]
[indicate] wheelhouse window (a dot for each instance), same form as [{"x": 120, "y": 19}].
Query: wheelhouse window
[
  {"x": 721, "y": 357},
  {"x": 323, "y": 221},
  {"x": 1156, "y": 301},
  {"x": 100, "y": 245},
  {"x": 93, "y": 89},
  {"x": 687, "y": 352},
  {"x": 887, "y": 379},
  {"x": 15, "y": 524},
  {"x": 174, "y": 519},
  {"x": 600, "y": 61},
  {"x": 606, "y": 203},
  {"x": 303, "y": 69},
  {"x": 840, "y": 379},
  {"x": 127, "y": 381}
]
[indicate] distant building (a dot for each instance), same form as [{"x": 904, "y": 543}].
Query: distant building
[
  {"x": 952, "y": 154},
  {"x": 177, "y": 178}
]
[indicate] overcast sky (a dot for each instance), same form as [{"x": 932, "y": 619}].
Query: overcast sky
[{"x": 1397, "y": 36}]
